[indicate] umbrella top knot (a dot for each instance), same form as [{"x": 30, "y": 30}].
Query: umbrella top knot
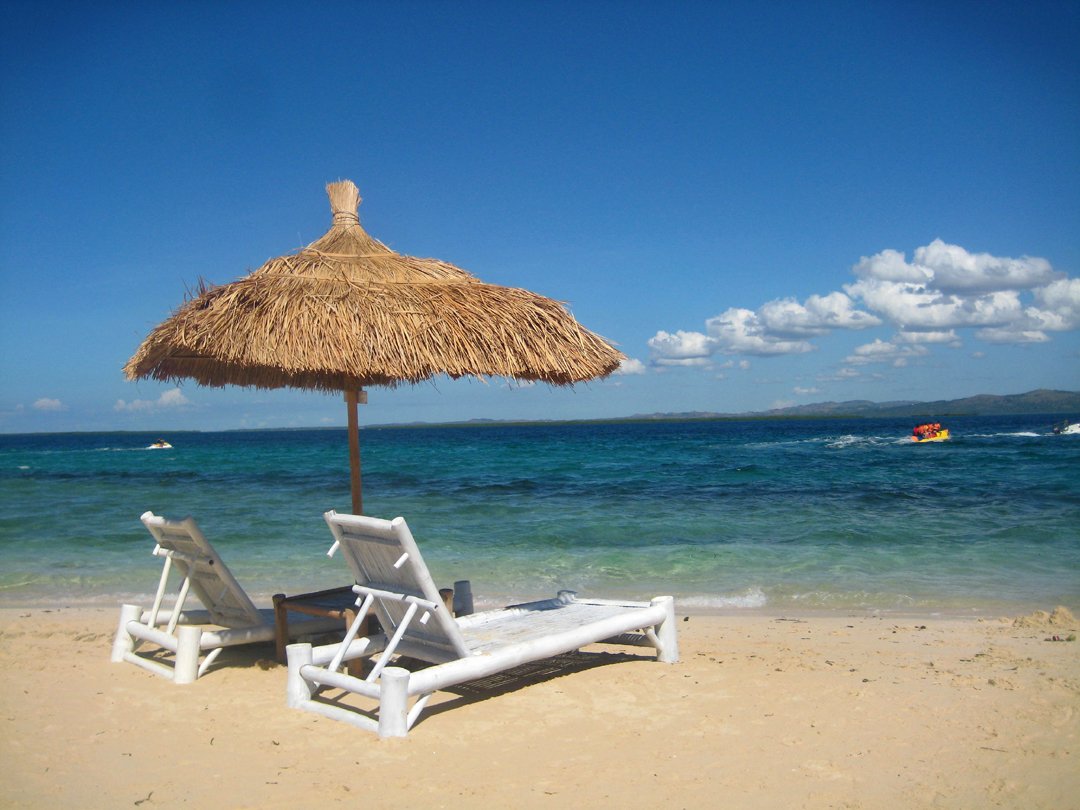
[{"x": 344, "y": 202}]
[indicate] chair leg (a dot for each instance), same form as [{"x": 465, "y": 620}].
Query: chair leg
[
  {"x": 298, "y": 690},
  {"x": 124, "y": 642},
  {"x": 667, "y": 633},
  {"x": 394, "y": 702},
  {"x": 187, "y": 654}
]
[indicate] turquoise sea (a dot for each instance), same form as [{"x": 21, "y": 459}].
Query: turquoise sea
[{"x": 775, "y": 514}]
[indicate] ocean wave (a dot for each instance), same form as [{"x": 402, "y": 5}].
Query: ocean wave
[
  {"x": 847, "y": 441},
  {"x": 1022, "y": 434},
  {"x": 750, "y": 598},
  {"x": 872, "y": 441},
  {"x": 853, "y": 599}
]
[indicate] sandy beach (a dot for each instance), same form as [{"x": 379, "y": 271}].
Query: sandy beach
[{"x": 763, "y": 711}]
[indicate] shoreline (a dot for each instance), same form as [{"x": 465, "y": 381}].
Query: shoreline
[
  {"x": 803, "y": 710},
  {"x": 684, "y": 606},
  {"x": 972, "y": 613}
]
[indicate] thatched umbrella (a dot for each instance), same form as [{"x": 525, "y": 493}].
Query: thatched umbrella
[{"x": 347, "y": 312}]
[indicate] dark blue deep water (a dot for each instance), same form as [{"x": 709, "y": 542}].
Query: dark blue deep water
[{"x": 815, "y": 514}]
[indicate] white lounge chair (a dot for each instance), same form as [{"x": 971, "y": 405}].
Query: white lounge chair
[
  {"x": 230, "y": 617},
  {"x": 393, "y": 581}
]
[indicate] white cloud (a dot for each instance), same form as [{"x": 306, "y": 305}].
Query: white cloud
[
  {"x": 742, "y": 331},
  {"x": 919, "y": 307},
  {"x": 680, "y": 345},
  {"x": 134, "y": 405},
  {"x": 801, "y": 391},
  {"x": 820, "y": 313},
  {"x": 943, "y": 288},
  {"x": 890, "y": 265},
  {"x": 881, "y": 351},
  {"x": 1058, "y": 305},
  {"x": 682, "y": 361},
  {"x": 779, "y": 327},
  {"x": 47, "y": 404},
  {"x": 630, "y": 366},
  {"x": 173, "y": 398},
  {"x": 734, "y": 332},
  {"x": 954, "y": 269},
  {"x": 1013, "y": 335},
  {"x": 948, "y": 336},
  {"x": 946, "y": 287},
  {"x": 845, "y": 374}
]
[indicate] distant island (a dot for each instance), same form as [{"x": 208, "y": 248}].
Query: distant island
[{"x": 1041, "y": 401}]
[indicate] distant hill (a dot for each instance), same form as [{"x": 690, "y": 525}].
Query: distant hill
[
  {"x": 1043, "y": 401},
  {"x": 1040, "y": 401}
]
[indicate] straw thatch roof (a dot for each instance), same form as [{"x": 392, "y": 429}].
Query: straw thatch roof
[{"x": 347, "y": 312}]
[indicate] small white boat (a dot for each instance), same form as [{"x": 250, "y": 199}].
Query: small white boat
[
  {"x": 160, "y": 444},
  {"x": 1067, "y": 429}
]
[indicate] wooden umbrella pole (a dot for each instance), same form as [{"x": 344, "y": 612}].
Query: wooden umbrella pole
[{"x": 353, "y": 398}]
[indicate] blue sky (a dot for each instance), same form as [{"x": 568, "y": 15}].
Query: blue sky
[{"x": 761, "y": 204}]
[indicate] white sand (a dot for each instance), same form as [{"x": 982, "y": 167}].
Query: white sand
[{"x": 812, "y": 712}]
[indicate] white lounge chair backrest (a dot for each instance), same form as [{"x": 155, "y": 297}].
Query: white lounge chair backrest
[
  {"x": 182, "y": 542},
  {"x": 386, "y": 563}
]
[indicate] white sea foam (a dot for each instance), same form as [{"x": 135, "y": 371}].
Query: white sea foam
[
  {"x": 750, "y": 598},
  {"x": 846, "y": 441},
  {"x": 1024, "y": 434},
  {"x": 851, "y": 440},
  {"x": 852, "y": 599}
]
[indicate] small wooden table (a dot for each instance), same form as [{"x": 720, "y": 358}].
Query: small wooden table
[
  {"x": 334, "y": 603},
  {"x": 340, "y": 603}
]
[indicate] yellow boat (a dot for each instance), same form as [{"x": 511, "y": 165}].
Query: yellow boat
[{"x": 926, "y": 433}]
